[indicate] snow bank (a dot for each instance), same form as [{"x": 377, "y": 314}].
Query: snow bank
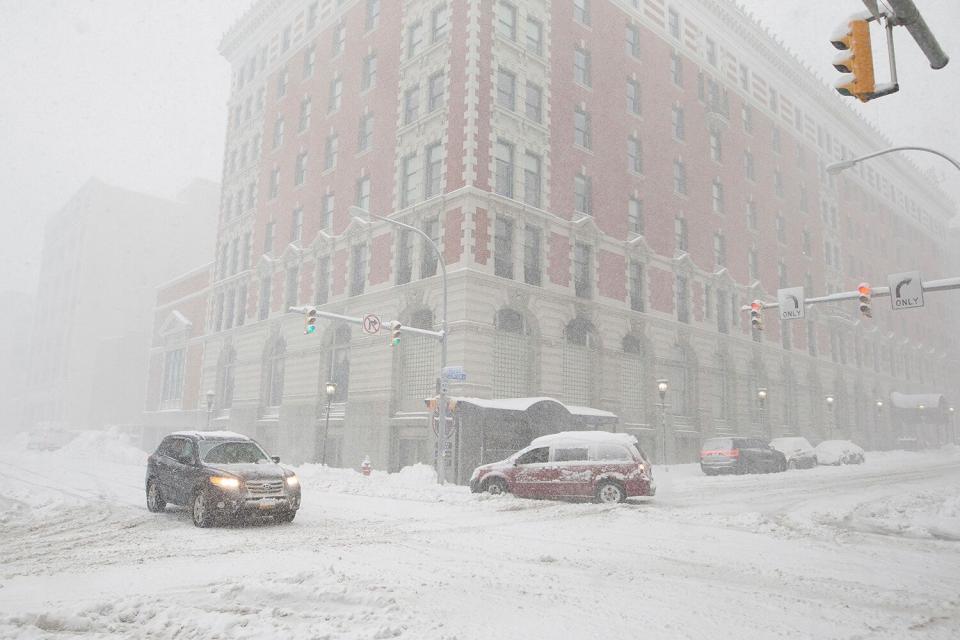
[{"x": 417, "y": 482}]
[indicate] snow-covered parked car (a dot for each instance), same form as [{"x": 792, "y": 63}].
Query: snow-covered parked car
[
  {"x": 838, "y": 452},
  {"x": 608, "y": 467},
  {"x": 798, "y": 451},
  {"x": 219, "y": 475}
]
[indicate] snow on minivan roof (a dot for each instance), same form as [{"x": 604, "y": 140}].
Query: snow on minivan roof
[
  {"x": 212, "y": 435},
  {"x": 590, "y": 437}
]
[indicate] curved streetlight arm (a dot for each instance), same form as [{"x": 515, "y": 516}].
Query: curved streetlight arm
[{"x": 837, "y": 167}]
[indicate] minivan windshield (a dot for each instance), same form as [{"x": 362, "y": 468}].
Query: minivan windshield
[
  {"x": 717, "y": 443},
  {"x": 232, "y": 453}
]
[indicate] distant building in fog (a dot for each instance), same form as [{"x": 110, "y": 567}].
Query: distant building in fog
[
  {"x": 104, "y": 254},
  {"x": 16, "y": 320},
  {"x": 610, "y": 182}
]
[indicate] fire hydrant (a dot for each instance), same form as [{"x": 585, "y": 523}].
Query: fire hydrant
[{"x": 365, "y": 466}]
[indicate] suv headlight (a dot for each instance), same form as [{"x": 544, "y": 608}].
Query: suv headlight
[
  {"x": 224, "y": 482},
  {"x": 293, "y": 481}
]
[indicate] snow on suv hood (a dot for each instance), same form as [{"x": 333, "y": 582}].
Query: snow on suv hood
[{"x": 251, "y": 471}]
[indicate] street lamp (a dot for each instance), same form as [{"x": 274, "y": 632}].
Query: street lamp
[
  {"x": 209, "y": 395},
  {"x": 876, "y": 422},
  {"x": 837, "y": 167},
  {"x": 830, "y": 400},
  {"x": 331, "y": 390},
  {"x": 363, "y": 215},
  {"x": 663, "y": 385},
  {"x": 953, "y": 427},
  {"x": 762, "y": 399}
]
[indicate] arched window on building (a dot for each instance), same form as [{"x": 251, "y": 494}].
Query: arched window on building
[
  {"x": 580, "y": 362},
  {"x": 419, "y": 357},
  {"x": 631, "y": 378},
  {"x": 273, "y": 374},
  {"x": 512, "y": 362},
  {"x": 338, "y": 366}
]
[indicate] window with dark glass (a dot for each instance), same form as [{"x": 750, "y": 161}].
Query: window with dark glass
[{"x": 582, "y": 270}]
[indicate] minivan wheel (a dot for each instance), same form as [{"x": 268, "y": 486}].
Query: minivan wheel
[
  {"x": 202, "y": 515},
  {"x": 155, "y": 502},
  {"x": 610, "y": 493},
  {"x": 792, "y": 465},
  {"x": 496, "y": 486}
]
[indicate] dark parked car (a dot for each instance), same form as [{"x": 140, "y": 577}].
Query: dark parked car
[
  {"x": 740, "y": 455},
  {"x": 608, "y": 467},
  {"x": 219, "y": 476}
]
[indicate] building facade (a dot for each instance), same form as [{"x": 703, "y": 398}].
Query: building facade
[
  {"x": 104, "y": 254},
  {"x": 609, "y": 180}
]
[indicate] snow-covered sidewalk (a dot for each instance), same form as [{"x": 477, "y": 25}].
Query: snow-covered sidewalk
[{"x": 848, "y": 552}]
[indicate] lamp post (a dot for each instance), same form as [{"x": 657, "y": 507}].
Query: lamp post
[
  {"x": 953, "y": 427},
  {"x": 837, "y": 167},
  {"x": 209, "y": 395},
  {"x": 879, "y": 406},
  {"x": 361, "y": 214},
  {"x": 663, "y": 385},
  {"x": 762, "y": 399},
  {"x": 331, "y": 390},
  {"x": 922, "y": 436},
  {"x": 830, "y": 421}
]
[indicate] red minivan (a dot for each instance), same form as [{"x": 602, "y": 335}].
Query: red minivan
[{"x": 608, "y": 467}]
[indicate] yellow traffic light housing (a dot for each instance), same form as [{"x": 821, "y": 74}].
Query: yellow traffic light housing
[{"x": 855, "y": 61}]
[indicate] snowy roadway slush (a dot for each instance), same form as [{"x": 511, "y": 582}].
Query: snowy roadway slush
[{"x": 835, "y": 552}]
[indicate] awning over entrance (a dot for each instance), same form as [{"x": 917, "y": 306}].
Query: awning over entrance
[
  {"x": 587, "y": 414},
  {"x": 914, "y": 400}
]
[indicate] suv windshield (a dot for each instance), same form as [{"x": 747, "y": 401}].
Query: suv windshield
[{"x": 232, "y": 452}]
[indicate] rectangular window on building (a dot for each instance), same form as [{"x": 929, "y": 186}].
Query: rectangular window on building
[
  {"x": 534, "y": 36},
  {"x": 633, "y": 41},
  {"x": 533, "y": 103},
  {"x": 581, "y": 66},
  {"x": 330, "y": 152},
  {"x": 582, "y": 196},
  {"x": 711, "y": 52},
  {"x": 369, "y": 77},
  {"x": 264, "y": 309},
  {"x": 581, "y": 11},
  {"x": 363, "y": 193},
  {"x": 300, "y": 175},
  {"x": 532, "y": 179},
  {"x": 404, "y": 267},
  {"x": 506, "y": 89},
  {"x": 633, "y": 97},
  {"x": 329, "y": 202},
  {"x": 283, "y": 77},
  {"x": 778, "y": 182},
  {"x": 746, "y": 117},
  {"x": 241, "y": 305},
  {"x": 717, "y": 196},
  {"x": 408, "y": 180},
  {"x": 680, "y": 233},
  {"x": 507, "y": 20},
  {"x": 504, "y": 169},
  {"x": 172, "y": 389},
  {"x": 745, "y": 78},
  {"x": 673, "y": 23},
  {"x": 439, "y": 23},
  {"x": 436, "y": 91},
  {"x": 305, "y": 109},
  {"x": 683, "y": 299},
  {"x": 707, "y": 302},
  {"x": 293, "y": 285},
  {"x": 722, "y": 313},
  {"x": 582, "y": 270},
  {"x": 411, "y": 104},
  {"x": 636, "y": 286},
  {"x": 676, "y": 69},
  {"x": 296, "y": 224},
  {"x": 503, "y": 247},
  {"x": 781, "y": 229},
  {"x": 373, "y": 14},
  {"x": 433, "y": 171},
  {"x": 532, "y": 247},
  {"x": 719, "y": 249},
  {"x": 581, "y": 126},
  {"x": 635, "y": 221},
  {"x": 678, "y": 123},
  {"x": 414, "y": 38},
  {"x": 752, "y": 266},
  {"x": 775, "y": 139},
  {"x": 634, "y": 155},
  {"x": 277, "y": 132},
  {"x": 313, "y": 14},
  {"x": 748, "y": 168},
  {"x": 358, "y": 269},
  {"x": 245, "y": 252},
  {"x": 716, "y": 147},
  {"x": 751, "y": 215},
  {"x": 679, "y": 177},
  {"x": 309, "y": 61},
  {"x": 336, "y": 94},
  {"x": 365, "y": 133},
  {"x": 428, "y": 259},
  {"x": 275, "y": 182},
  {"x": 322, "y": 293}
]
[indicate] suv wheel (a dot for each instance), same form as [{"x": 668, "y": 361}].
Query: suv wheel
[
  {"x": 200, "y": 510},
  {"x": 496, "y": 486},
  {"x": 610, "y": 493},
  {"x": 155, "y": 502},
  {"x": 286, "y": 517}
]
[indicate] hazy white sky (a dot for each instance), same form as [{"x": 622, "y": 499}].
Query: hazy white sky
[{"x": 134, "y": 92}]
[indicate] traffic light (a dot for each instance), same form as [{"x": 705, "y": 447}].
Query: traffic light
[
  {"x": 310, "y": 323},
  {"x": 866, "y": 294},
  {"x": 855, "y": 61},
  {"x": 395, "y": 335},
  {"x": 756, "y": 315}
]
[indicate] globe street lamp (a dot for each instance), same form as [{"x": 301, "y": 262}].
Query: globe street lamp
[
  {"x": 331, "y": 390},
  {"x": 830, "y": 400},
  {"x": 663, "y": 385},
  {"x": 876, "y": 428},
  {"x": 762, "y": 399},
  {"x": 209, "y": 395},
  {"x": 953, "y": 427}
]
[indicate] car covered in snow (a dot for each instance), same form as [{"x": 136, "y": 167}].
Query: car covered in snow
[
  {"x": 218, "y": 476},
  {"x": 837, "y": 452},
  {"x": 798, "y": 451},
  {"x": 608, "y": 467},
  {"x": 740, "y": 455}
]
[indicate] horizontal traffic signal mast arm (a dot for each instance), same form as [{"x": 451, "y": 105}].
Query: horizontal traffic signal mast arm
[
  {"x": 909, "y": 16},
  {"x": 944, "y": 284},
  {"x": 359, "y": 320}
]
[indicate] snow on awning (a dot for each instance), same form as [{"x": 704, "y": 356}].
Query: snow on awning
[
  {"x": 589, "y": 414},
  {"x": 914, "y": 400}
]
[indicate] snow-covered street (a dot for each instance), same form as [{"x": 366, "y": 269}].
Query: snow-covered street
[{"x": 835, "y": 552}]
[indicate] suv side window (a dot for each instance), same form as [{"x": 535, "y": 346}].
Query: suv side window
[
  {"x": 165, "y": 448},
  {"x": 534, "y": 456},
  {"x": 188, "y": 452},
  {"x": 612, "y": 452},
  {"x": 569, "y": 454}
]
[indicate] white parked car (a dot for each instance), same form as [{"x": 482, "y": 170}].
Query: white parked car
[
  {"x": 839, "y": 452},
  {"x": 798, "y": 451}
]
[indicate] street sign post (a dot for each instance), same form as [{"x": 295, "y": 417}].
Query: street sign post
[
  {"x": 371, "y": 324},
  {"x": 906, "y": 290},
  {"x": 790, "y": 303}
]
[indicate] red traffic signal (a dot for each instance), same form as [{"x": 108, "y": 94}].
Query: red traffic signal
[
  {"x": 756, "y": 315},
  {"x": 866, "y": 299}
]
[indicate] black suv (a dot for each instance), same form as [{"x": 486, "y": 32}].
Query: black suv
[
  {"x": 220, "y": 475},
  {"x": 740, "y": 455}
]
